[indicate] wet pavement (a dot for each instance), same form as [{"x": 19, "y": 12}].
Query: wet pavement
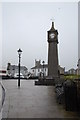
[
  {"x": 2, "y": 97},
  {"x": 0, "y": 100},
  {"x": 30, "y": 101}
]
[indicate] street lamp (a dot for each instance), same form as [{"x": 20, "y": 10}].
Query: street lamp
[
  {"x": 19, "y": 53},
  {"x": 43, "y": 68}
]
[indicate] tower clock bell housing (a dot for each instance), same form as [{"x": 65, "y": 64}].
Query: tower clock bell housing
[{"x": 53, "y": 34}]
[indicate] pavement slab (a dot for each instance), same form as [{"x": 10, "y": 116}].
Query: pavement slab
[{"x": 30, "y": 101}]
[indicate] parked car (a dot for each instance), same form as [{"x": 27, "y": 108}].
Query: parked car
[{"x": 17, "y": 75}]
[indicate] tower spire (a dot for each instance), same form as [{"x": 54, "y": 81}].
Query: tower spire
[
  {"x": 52, "y": 27},
  {"x": 52, "y": 24}
]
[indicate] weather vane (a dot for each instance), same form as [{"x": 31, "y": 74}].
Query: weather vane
[{"x": 52, "y": 19}]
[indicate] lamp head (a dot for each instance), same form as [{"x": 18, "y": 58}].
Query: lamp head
[
  {"x": 19, "y": 51},
  {"x": 43, "y": 62}
]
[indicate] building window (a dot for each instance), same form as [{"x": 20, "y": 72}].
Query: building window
[
  {"x": 45, "y": 69},
  {"x": 38, "y": 70}
]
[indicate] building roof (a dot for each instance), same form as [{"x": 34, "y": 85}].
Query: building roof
[
  {"x": 40, "y": 66},
  {"x": 72, "y": 69},
  {"x": 16, "y": 67}
]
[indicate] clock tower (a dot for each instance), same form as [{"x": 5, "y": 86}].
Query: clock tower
[{"x": 52, "y": 53}]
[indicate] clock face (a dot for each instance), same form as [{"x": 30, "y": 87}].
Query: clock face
[{"x": 52, "y": 35}]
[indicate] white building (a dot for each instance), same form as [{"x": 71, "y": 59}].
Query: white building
[
  {"x": 72, "y": 71},
  {"x": 40, "y": 68},
  {"x": 13, "y": 69},
  {"x": 78, "y": 69}
]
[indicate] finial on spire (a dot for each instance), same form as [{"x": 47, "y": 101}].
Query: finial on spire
[
  {"x": 52, "y": 23},
  {"x": 52, "y": 19}
]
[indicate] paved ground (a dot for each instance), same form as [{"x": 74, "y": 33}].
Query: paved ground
[
  {"x": 0, "y": 99},
  {"x": 32, "y": 101},
  {"x": 0, "y": 96}
]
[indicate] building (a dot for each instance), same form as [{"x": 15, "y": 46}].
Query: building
[
  {"x": 13, "y": 69},
  {"x": 78, "y": 69},
  {"x": 40, "y": 69},
  {"x": 72, "y": 71},
  {"x": 53, "y": 70}
]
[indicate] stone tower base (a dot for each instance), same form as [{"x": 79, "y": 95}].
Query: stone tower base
[{"x": 49, "y": 81}]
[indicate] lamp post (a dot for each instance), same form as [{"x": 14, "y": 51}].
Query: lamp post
[
  {"x": 43, "y": 68},
  {"x": 19, "y": 53}
]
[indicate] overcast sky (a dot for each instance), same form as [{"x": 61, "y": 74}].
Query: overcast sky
[
  {"x": 25, "y": 26},
  {"x": 79, "y": 30}
]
